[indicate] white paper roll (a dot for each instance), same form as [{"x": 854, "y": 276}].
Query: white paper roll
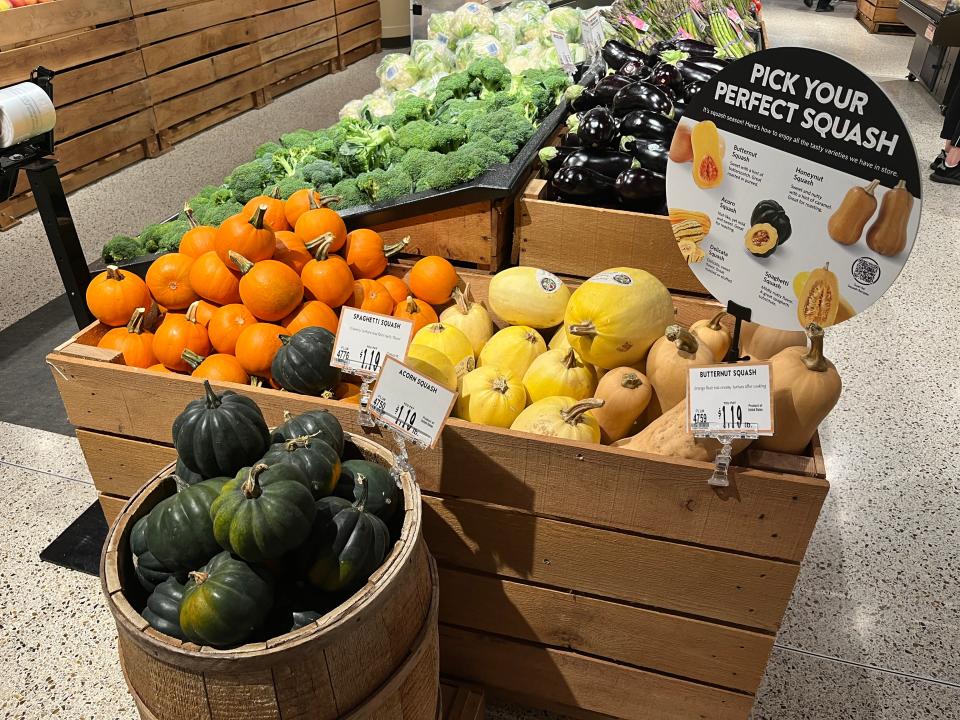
[{"x": 25, "y": 112}]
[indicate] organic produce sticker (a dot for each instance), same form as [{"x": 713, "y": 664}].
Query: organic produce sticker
[{"x": 793, "y": 188}]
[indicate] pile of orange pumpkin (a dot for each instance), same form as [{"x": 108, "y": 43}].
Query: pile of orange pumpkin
[{"x": 218, "y": 308}]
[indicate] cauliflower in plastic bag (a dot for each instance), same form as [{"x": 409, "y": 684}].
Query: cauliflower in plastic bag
[
  {"x": 432, "y": 58},
  {"x": 397, "y": 72},
  {"x": 550, "y": 59},
  {"x": 565, "y": 20},
  {"x": 525, "y": 57},
  {"x": 427, "y": 86},
  {"x": 352, "y": 109},
  {"x": 535, "y": 8},
  {"x": 506, "y": 31},
  {"x": 476, "y": 47},
  {"x": 375, "y": 106},
  {"x": 440, "y": 28},
  {"x": 471, "y": 18}
]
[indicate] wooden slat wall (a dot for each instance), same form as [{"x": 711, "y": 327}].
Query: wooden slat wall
[{"x": 358, "y": 26}]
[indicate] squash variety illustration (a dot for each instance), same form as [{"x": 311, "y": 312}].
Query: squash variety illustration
[
  {"x": 707, "y": 149},
  {"x": 846, "y": 224},
  {"x": 887, "y": 235}
]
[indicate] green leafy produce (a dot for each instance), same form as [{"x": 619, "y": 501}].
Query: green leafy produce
[
  {"x": 416, "y": 162},
  {"x": 251, "y": 179},
  {"x": 428, "y": 136},
  {"x": 121, "y": 248},
  {"x": 365, "y": 148},
  {"x": 384, "y": 185},
  {"x": 350, "y": 195}
]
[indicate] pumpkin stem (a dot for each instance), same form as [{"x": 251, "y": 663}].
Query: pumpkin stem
[
  {"x": 255, "y": 381},
  {"x": 192, "y": 311},
  {"x": 287, "y": 416},
  {"x": 570, "y": 359},
  {"x": 240, "y": 261},
  {"x": 213, "y": 400},
  {"x": 191, "y": 358},
  {"x": 500, "y": 385},
  {"x": 361, "y": 501},
  {"x": 299, "y": 442},
  {"x": 714, "y": 323},
  {"x": 191, "y": 218},
  {"x": 328, "y": 200},
  {"x": 814, "y": 359},
  {"x": 199, "y": 577},
  {"x": 584, "y": 329},
  {"x": 251, "y": 486},
  {"x": 319, "y": 247},
  {"x": 460, "y": 298},
  {"x": 257, "y": 219},
  {"x": 412, "y": 306},
  {"x": 391, "y": 250},
  {"x": 901, "y": 185},
  {"x": 574, "y": 415},
  {"x": 284, "y": 339},
  {"x": 113, "y": 273},
  {"x": 276, "y": 192},
  {"x": 685, "y": 340},
  {"x": 871, "y": 187},
  {"x": 631, "y": 381},
  {"x": 135, "y": 325}
]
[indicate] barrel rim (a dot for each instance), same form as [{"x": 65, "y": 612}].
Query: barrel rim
[{"x": 328, "y": 627}]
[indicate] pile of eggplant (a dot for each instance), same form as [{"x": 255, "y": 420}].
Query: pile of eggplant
[{"x": 615, "y": 152}]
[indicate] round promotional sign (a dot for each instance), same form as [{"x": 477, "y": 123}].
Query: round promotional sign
[{"x": 794, "y": 188}]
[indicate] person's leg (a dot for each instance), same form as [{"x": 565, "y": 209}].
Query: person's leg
[
  {"x": 824, "y": 6},
  {"x": 951, "y": 127}
]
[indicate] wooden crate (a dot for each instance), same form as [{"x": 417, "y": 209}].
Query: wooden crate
[
  {"x": 298, "y": 43},
  {"x": 884, "y": 11},
  {"x": 358, "y": 29},
  {"x": 461, "y": 701},
  {"x": 581, "y": 241},
  {"x": 100, "y": 91},
  {"x": 574, "y": 576}
]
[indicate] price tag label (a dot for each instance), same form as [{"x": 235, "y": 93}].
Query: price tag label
[
  {"x": 730, "y": 398},
  {"x": 410, "y": 403},
  {"x": 365, "y": 340},
  {"x": 592, "y": 31},
  {"x": 563, "y": 52}
]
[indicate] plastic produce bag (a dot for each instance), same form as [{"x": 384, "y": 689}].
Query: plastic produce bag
[
  {"x": 376, "y": 106},
  {"x": 525, "y": 57},
  {"x": 432, "y": 58},
  {"x": 478, "y": 46},
  {"x": 352, "y": 109},
  {"x": 471, "y": 18},
  {"x": 440, "y": 28},
  {"x": 397, "y": 72},
  {"x": 565, "y": 20}
]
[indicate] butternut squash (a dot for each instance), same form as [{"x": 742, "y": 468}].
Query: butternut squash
[
  {"x": 760, "y": 342},
  {"x": 888, "y": 234},
  {"x": 561, "y": 417},
  {"x": 819, "y": 300},
  {"x": 846, "y": 224},
  {"x": 707, "y": 155},
  {"x": 559, "y": 372},
  {"x": 626, "y": 394},
  {"x": 806, "y": 386},
  {"x": 714, "y": 335},
  {"x": 668, "y": 361},
  {"x": 667, "y": 435}
]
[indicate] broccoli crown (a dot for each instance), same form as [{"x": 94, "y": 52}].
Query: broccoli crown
[
  {"x": 461, "y": 110},
  {"x": 268, "y": 148},
  {"x": 407, "y": 110},
  {"x": 321, "y": 172},
  {"x": 365, "y": 148},
  {"x": 454, "y": 85},
  {"x": 460, "y": 166},
  {"x": 509, "y": 126},
  {"x": 289, "y": 185},
  {"x": 488, "y": 75},
  {"x": 350, "y": 195},
  {"x": 151, "y": 236},
  {"x": 385, "y": 185},
  {"x": 554, "y": 80},
  {"x": 173, "y": 232},
  {"x": 250, "y": 179},
  {"x": 427, "y": 136},
  {"x": 415, "y": 162},
  {"x": 216, "y": 214},
  {"x": 212, "y": 195},
  {"x": 120, "y": 248},
  {"x": 297, "y": 140},
  {"x": 535, "y": 99},
  {"x": 212, "y": 205}
]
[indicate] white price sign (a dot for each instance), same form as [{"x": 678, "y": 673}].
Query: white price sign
[
  {"x": 592, "y": 31},
  {"x": 563, "y": 52},
  {"x": 410, "y": 403},
  {"x": 730, "y": 398},
  {"x": 365, "y": 340}
]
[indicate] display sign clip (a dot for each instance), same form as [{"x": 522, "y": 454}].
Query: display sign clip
[{"x": 721, "y": 477}]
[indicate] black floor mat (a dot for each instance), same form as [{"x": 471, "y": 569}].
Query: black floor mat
[{"x": 79, "y": 546}]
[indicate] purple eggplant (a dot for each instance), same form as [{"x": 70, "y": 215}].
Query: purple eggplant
[
  {"x": 641, "y": 96},
  {"x": 606, "y": 162},
  {"x": 651, "y": 154},
  {"x": 679, "y": 108},
  {"x": 662, "y": 46},
  {"x": 695, "y": 48},
  {"x": 617, "y": 54},
  {"x": 635, "y": 70},
  {"x": 608, "y": 87},
  {"x": 712, "y": 65},
  {"x": 690, "y": 90},
  {"x": 648, "y": 125},
  {"x": 667, "y": 77},
  {"x": 570, "y": 139},
  {"x": 581, "y": 182},
  {"x": 641, "y": 185},
  {"x": 690, "y": 72},
  {"x": 597, "y": 128},
  {"x": 585, "y": 100},
  {"x": 552, "y": 158}
]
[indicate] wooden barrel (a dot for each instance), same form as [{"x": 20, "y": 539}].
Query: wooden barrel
[{"x": 374, "y": 656}]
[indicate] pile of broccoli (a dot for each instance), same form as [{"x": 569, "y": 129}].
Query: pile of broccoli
[{"x": 478, "y": 118}]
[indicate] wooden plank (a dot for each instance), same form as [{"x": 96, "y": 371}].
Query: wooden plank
[
  {"x": 140, "y": 7},
  {"x": 45, "y": 20},
  {"x": 360, "y": 36},
  {"x": 67, "y": 52},
  {"x": 194, "y": 103},
  {"x": 186, "y": 48},
  {"x": 101, "y": 109},
  {"x": 284, "y": 67},
  {"x": 282, "y": 21},
  {"x": 120, "y": 466},
  {"x": 358, "y": 53},
  {"x": 86, "y": 148},
  {"x": 111, "y": 507},
  {"x": 295, "y": 41},
  {"x": 99, "y": 77},
  {"x": 581, "y": 682},
  {"x": 191, "y": 76},
  {"x": 461, "y": 233},
  {"x": 180, "y": 21},
  {"x": 267, "y": 6},
  {"x": 182, "y": 131},
  {"x": 343, "y": 6},
  {"x": 355, "y": 18},
  {"x": 672, "y": 644}
]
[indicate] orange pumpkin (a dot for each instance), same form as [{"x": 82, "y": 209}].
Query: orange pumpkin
[
  {"x": 433, "y": 279},
  {"x": 168, "y": 279},
  {"x": 205, "y": 312},
  {"x": 199, "y": 239},
  {"x": 270, "y": 289},
  {"x": 218, "y": 367},
  {"x": 301, "y": 201},
  {"x": 348, "y": 392},
  {"x": 317, "y": 222},
  {"x": 371, "y": 296},
  {"x": 214, "y": 281},
  {"x": 366, "y": 255},
  {"x": 416, "y": 311},
  {"x": 133, "y": 341},
  {"x": 256, "y": 347},
  {"x": 178, "y": 333},
  {"x": 250, "y": 238},
  {"x": 312, "y": 313},
  {"x": 327, "y": 277},
  {"x": 291, "y": 251},
  {"x": 161, "y": 368},
  {"x": 395, "y": 286},
  {"x": 113, "y": 295},
  {"x": 226, "y": 325},
  {"x": 274, "y": 218}
]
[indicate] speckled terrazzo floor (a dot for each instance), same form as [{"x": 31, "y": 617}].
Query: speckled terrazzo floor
[{"x": 873, "y": 630}]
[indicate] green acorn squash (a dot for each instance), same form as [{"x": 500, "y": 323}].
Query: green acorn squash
[
  {"x": 150, "y": 571},
  {"x": 188, "y": 476},
  {"x": 225, "y": 602},
  {"x": 163, "y": 608},
  {"x": 138, "y": 536},
  {"x": 383, "y": 494},
  {"x": 264, "y": 512},
  {"x": 180, "y": 531},
  {"x": 772, "y": 213},
  {"x": 220, "y": 434},
  {"x": 346, "y": 546},
  {"x": 318, "y": 462},
  {"x": 313, "y": 423},
  {"x": 302, "y": 364}
]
